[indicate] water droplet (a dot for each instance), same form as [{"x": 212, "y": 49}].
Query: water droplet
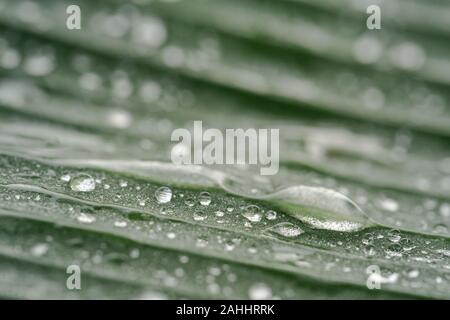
[
  {"x": 190, "y": 202},
  {"x": 85, "y": 218},
  {"x": 40, "y": 63},
  {"x": 171, "y": 235},
  {"x": 214, "y": 271},
  {"x": 370, "y": 250},
  {"x": 388, "y": 205},
  {"x": 39, "y": 249},
  {"x": 152, "y": 295},
  {"x": 149, "y": 32},
  {"x": 414, "y": 273},
  {"x": 204, "y": 198},
  {"x": 65, "y": 178},
  {"x": 219, "y": 214},
  {"x": 394, "y": 250},
  {"x": 271, "y": 215},
  {"x": 260, "y": 291},
  {"x": 82, "y": 183},
  {"x": 184, "y": 259},
  {"x": 367, "y": 49},
  {"x": 165, "y": 211},
  {"x": 252, "y": 213},
  {"x": 120, "y": 224},
  {"x": 173, "y": 56},
  {"x": 286, "y": 229},
  {"x": 150, "y": 91},
  {"x": 408, "y": 56},
  {"x": 445, "y": 210},
  {"x": 321, "y": 208},
  {"x": 163, "y": 194},
  {"x": 367, "y": 238},
  {"x": 199, "y": 216},
  {"x": 440, "y": 228},
  {"x": 394, "y": 236},
  {"x": 123, "y": 184},
  {"x": 229, "y": 246},
  {"x": 120, "y": 119},
  {"x": 10, "y": 58},
  {"x": 201, "y": 242},
  {"x": 252, "y": 250},
  {"x": 135, "y": 253}
]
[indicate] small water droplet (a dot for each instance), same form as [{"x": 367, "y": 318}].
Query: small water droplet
[
  {"x": 190, "y": 202},
  {"x": 39, "y": 249},
  {"x": 369, "y": 250},
  {"x": 120, "y": 224},
  {"x": 219, "y": 214},
  {"x": 394, "y": 250},
  {"x": 201, "y": 242},
  {"x": 367, "y": 238},
  {"x": 85, "y": 218},
  {"x": 414, "y": 273},
  {"x": 229, "y": 246},
  {"x": 120, "y": 119},
  {"x": 123, "y": 184},
  {"x": 40, "y": 64},
  {"x": 271, "y": 215},
  {"x": 252, "y": 213},
  {"x": 260, "y": 291},
  {"x": 171, "y": 235},
  {"x": 184, "y": 259},
  {"x": 388, "y": 205},
  {"x": 65, "y": 178},
  {"x": 445, "y": 210},
  {"x": 286, "y": 229},
  {"x": 440, "y": 228},
  {"x": 199, "y": 216},
  {"x": 163, "y": 194},
  {"x": 204, "y": 198},
  {"x": 82, "y": 183},
  {"x": 135, "y": 253},
  {"x": 165, "y": 211},
  {"x": 394, "y": 236}
]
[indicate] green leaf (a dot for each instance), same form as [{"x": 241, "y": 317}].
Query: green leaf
[{"x": 85, "y": 124}]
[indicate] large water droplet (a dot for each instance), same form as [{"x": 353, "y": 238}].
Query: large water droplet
[{"x": 321, "y": 208}]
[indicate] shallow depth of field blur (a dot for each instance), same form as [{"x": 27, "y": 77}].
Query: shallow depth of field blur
[{"x": 86, "y": 177}]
